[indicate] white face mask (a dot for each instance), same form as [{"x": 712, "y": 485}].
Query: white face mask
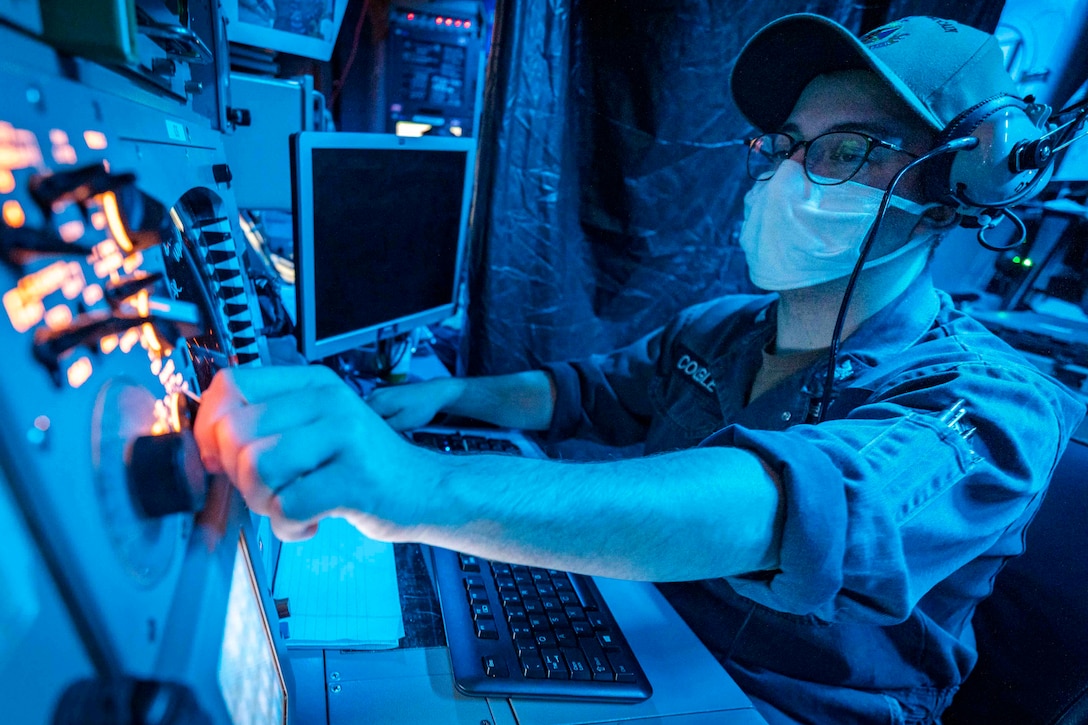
[{"x": 798, "y": 234}]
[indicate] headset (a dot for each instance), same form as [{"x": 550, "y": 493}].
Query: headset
[
  {"x": 994, "y": 154},
  {"x": 1012, "y": 161}
]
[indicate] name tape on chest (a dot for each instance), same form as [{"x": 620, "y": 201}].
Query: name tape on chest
[{"x": 695, "y": 370}]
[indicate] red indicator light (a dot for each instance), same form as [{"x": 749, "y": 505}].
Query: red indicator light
[
  {"x": 457, "y": 23},
  {"x": 468, "y": 24},
  {"x": 449, "y": 21},
  {"x": 438, "y": 21},
  {"x": 411, "y": 16}
]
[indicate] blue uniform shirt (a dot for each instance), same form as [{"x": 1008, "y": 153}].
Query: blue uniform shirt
[{"x": 900, "y": 507}]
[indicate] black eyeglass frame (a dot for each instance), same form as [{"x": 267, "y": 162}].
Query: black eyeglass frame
[{"x": 871, "y": 143}]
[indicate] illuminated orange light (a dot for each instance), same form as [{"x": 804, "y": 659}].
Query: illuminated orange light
[
  {"x": 95, "y": 140},
  {"x": 98, "y": 220},
  {"x": 14, "y": 216},
  {"x": 23, "y": 313},
  {"x": 79, "y": 372},
  {"x": 29, "y": 153},
  {"x": 159, "y": 428},
  {"x": 44, "y": 281},
  {"x": 108, "y": 265},
  {"x": 58, "y": 136},
  {"x": 18, "y": 148},
  {"x": 59, "y": 317},
  {"x": 92, "y": 294},
  {"x": 132, "y": 262},
  {"x": 71, "y": 231},
  {"x": 7, "y": 181},
  {"x": 166, "y": 372},
  {"x": 64, "y": 154},
  {"x": 149, "y": 339},
  {"x": 175, "y": 413},
  {"x": 74, "y": 282},
  {"x": 108, "y": 344},
  {"x": 141, "y": 301},
  {"x": 113, "y": 221},
  {"x": 129, "y": 339}
]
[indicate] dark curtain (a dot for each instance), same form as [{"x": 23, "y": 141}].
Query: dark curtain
[{"x": 611, "y": 174}]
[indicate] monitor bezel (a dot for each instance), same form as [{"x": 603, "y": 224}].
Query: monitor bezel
[
  {"x": 302, "y": 146},
  {"x": 261, "y": 36}
]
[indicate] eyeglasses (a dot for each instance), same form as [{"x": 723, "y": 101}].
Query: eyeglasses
[{"x": 830, "y": 158}]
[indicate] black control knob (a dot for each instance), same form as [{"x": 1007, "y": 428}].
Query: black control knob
[{"x": 165, "y": 475}]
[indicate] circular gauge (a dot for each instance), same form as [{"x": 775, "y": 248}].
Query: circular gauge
[{"x": 124, "y": 411}]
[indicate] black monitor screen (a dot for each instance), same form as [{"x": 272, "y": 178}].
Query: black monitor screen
[{"x": 380, "y": 239}]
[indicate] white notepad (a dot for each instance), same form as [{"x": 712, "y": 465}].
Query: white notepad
[{"x": 341, "y": 590}]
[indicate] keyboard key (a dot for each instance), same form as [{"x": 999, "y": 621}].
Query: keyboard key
[
  {"x": 607, "y": 641},
  {"x": 622, "y": 666},
  {"x": 597, "y": 621},
  {"x": 545, "y": 639},
  {"x": 482, "y": 611},
  {"x": 532, "y": 667},
  {"x": 495, "y": 667},
  {"x": 522, "y": 632},
  {"x": 566, "y": 637},
  {"x": 469, "y": 563},
  {"x": 486, "y": 629},
  {"x": 554, "y": 664},
  {"x": 598, "y": 663},
  {"x": 581, "y": 628},
  {"x": 576, "y": 663}
]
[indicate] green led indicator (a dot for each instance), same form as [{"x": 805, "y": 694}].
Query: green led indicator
[
  {"x": 1016, "y": 259},
  {"x": 1027, "y": 262}
]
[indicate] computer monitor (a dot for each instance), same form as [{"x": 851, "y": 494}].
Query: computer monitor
[
  {"x": 380, "y": 230},
  {"x": 299, "y": 27}
]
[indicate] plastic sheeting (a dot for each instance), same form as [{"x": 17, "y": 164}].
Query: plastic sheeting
[{"x": 612, "y": 168}]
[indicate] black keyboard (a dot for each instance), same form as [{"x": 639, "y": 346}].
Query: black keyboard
[
  {"x": 456, "y": 442},
  {"x": 518, "y": 631}
]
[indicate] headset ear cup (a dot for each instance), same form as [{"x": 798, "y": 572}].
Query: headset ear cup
[
  {"x": 982, "y": 179},
  {"x": 938, "y": 184}
]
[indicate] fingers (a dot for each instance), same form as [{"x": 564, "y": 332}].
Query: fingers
[
  {"x": 233, "y": 391},
  {"x": 287, "y": 530},
  {"x": 405, "y": 406},
  {"x": 386, "y": 401},
  {"x": 300, "y": 460}
]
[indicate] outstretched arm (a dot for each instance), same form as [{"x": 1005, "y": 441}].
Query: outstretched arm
[
  {"x": 519, "y": 400},
  {"x": 300, "y": 446}
]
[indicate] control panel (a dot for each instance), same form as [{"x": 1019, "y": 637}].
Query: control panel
[{"x": 123, "y": 291}]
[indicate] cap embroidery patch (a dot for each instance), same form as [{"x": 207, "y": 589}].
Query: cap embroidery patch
[{"x": 884, "y": 36}]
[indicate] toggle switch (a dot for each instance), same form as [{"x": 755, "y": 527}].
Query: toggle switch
[{"x": 76, "y": 186}]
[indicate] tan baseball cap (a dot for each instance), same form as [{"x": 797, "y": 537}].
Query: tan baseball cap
[{"x": 939, "y": 67}]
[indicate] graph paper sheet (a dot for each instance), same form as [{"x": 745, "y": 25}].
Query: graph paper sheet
[{"x": 341, "y": 590}]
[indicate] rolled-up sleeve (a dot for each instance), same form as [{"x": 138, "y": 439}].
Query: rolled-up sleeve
[
  {"x": 603, "y": 397},
  {"x": 880, "y": 506}
]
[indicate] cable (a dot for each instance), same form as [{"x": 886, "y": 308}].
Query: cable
[
  {"x": 338, "y": 84},
  {"x": 959, "y": 144}
]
